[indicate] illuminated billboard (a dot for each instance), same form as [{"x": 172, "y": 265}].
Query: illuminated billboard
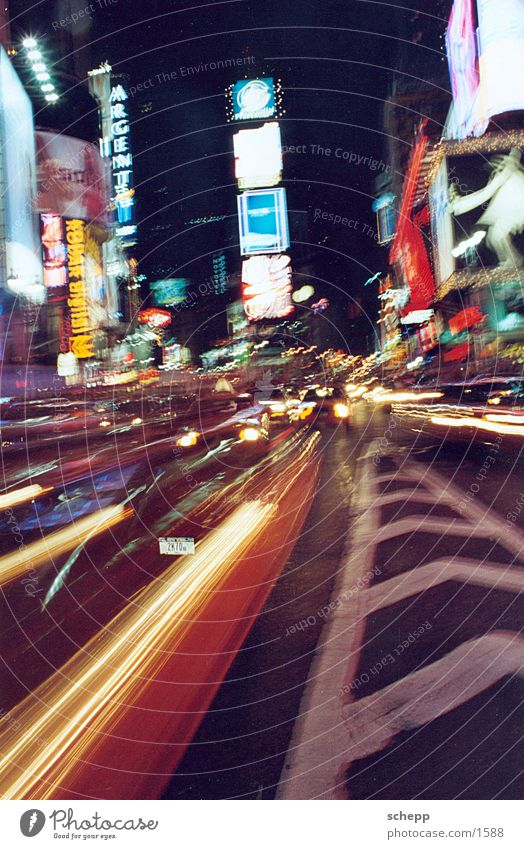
[
  {"x": 461, "y": 45},
  {"x": 79, "y": 322},
  {"x": 501, "y": 62},
  {"x": 267, "y": 287},
  {"x": 263, "y": 222},
  {"x": 441, "y": 225},
  {"x": 258, "y": 156},
  {"x": 20, "y": 258},
  {"x": 71, "y": 178},
  {"x": 254, "y": 100},
  {"x": 488, "y": 210},
  {"x": 155, "y": 318},
  {"x": 54, "y": 251},
  {"x": 169, "y": 292}
]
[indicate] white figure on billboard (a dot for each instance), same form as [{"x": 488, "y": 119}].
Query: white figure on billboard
[{"x": 504, "y": 215}]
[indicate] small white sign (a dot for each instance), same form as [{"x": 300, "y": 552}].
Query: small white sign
[{"x": 176, "y": 545}]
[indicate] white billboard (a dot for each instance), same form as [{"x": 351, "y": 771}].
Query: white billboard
[
  {"x": 501, "y": 63},
  {"x": 258, "y": 156},
  {"x": 441, "y": 224},
  {"x": 22, "y": 272}
]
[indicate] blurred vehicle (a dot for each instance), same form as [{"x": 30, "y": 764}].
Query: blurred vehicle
[
  {"x": 278, "y": 405},
  {"x": 324, "y": 403}
]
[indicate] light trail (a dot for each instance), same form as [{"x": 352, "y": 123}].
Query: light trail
[
  {"x": 45, "y": 737},
  {"x": 481, "y": 424},
  {"x": 19, "y": 496},
  {"x": 30, "y": 556}
]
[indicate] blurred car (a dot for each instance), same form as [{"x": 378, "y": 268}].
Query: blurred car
[{"x": 324, "y": 403}]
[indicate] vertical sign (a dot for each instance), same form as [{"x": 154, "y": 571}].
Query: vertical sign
[
  {"x": 122, "y": 163},
  {"x": 81, "y": 339}
]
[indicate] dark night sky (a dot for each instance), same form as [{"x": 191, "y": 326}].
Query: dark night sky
[{"x": 334, "y": 58}]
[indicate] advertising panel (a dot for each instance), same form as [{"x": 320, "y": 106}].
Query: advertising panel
[
  {"x": 23, "y": 265},
  {"x": 71, "y": 178},
  {"x": 54, "y": 251},
  {"x": 267, "y": 287},
  {"x": 501, "y": 63},
  {"x": 154, "y": 318},
  {"x": 167, "y": 293},
  {"x": 486, "y": 199},
  {"x": 461, "y": 44},
  {"x": 254, "y": 99},
  {"x": 263, "y": 221},
  {"x": 258, "y": 156},
  {"x": 441, "y": 225},
  {"x": 81, "y": 337}
]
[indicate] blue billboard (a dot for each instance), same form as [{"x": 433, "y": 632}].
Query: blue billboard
[
  {"x": 263, "y": 222},
  {"x": 254, "y": 100},
  {"x": 167, "y": 293}
]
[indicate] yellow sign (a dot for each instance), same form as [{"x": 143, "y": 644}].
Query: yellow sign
[{"x": 81, "y": 338}]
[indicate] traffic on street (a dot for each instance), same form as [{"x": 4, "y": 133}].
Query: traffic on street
[{"x": 262, "y": 419}]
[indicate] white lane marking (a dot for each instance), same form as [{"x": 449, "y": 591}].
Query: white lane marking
[
  {"x": 317, "y": 749},
  {"x": 498, "y": 576},
  {"x": 433, "y": 691}
]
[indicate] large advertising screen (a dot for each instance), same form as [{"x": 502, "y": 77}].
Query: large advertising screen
[
  {"x": 258, "y": 156},
  {"x": 254, "y": 99},
  {"x": 72, "y": 178},
  {"x": 169, "y": 292},
  {"x": 22, "y": 271},
  {"x": 263, "y": 221},
  {"x": 486, "y": 199},
  {"x": 501, "y": 39},
  {"x": 461, "y": 44},
  {"x": 267, "y": 287}
]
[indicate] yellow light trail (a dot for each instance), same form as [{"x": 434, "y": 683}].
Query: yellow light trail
[
  {"x": 481, "y": 424},
  {"x": 53, "y": 545},
  {"x": 50, "y": 731},
  {"x": 19, "y": 496}
]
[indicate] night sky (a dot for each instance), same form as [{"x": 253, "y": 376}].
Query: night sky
[{"x": 335, "y": 60}]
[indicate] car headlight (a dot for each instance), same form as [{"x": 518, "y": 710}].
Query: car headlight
[
  {"x": 187, "y": 440},
  {"x": 277, "y": 408},
  {"x": 341, "y": 411},
  {"x": 495, "y": 400},
  {"x": 104, "y": 423},
  {"x": 249, "y": 434},
  {"x": 137, "y": 421}
]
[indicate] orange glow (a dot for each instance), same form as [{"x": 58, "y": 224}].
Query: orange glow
[
  {"x": 19, "y": 496},
  {"x": 481, "y": 424},
  {"x": 53, "y": 545},
  {"x": 46, "y": 735}
]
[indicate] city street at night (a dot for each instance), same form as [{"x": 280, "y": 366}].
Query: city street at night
[{"x": 262, "y": 421}]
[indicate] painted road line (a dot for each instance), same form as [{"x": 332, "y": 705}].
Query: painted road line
[
  {"x": 316, "y": 757},
  {"x": 492, "y": 575},
  {"x": 430, "y": 692}
]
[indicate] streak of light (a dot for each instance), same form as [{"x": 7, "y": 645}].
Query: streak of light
[
  {"x": 19, "y": 496},
  {"x": 399, "y": 397},
  {"x": 480, "y": 424},
  {"x": 36, "y": 553},
  {"x": 45, "y": 736}
]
